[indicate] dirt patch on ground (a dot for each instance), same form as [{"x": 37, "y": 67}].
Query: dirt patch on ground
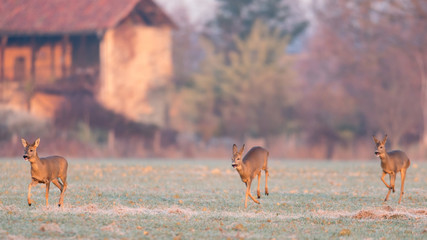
[
  {"x": 10, "y": 209},
  {"x": 50, "y": 227},
  {"x": 112, "y": 228},
  {"x": 390, "y": 213},
  {"x": 90, "y": 208},
  {"x": 175, "y": 211},
  {"x": 422, "y": 212},
  {"x": 365, "y": 214}
]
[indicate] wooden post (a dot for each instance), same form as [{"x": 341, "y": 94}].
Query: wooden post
[
  {"x": 157, "y": 142},
  {"x": 111, "y": 140},
  {"x": 52, "y": 60},
  {"x": 65, "y": 41},
  {"x": 33, "y": 59},
  {"x": 2, "y": 48},
  {"x": 82, "y": 52}
]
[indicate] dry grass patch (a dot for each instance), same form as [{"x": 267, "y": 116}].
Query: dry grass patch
[{"x": 390, "y": 213}]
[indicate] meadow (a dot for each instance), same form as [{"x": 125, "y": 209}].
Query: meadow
[{"x": 204, "y": 199}]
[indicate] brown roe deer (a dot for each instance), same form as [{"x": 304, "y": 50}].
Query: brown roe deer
[
  {"x": 45, "y": 170},
  {"x": 250, "y": 166},
  {"x": 392, "y": 163}
]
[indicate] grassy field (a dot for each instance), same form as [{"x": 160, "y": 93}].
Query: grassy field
[{"x": 190, "y": 199}]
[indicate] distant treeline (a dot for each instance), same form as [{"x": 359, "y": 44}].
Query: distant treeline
[{"x": 361, "y": 70}]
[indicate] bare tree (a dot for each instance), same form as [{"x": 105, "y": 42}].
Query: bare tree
[{"x": 361, "y": 45}]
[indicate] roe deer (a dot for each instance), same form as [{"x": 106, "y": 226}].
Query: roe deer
[
  {"x": 45, "y": 170},
  {"x": 252, "y": 164},
  {"x": 392, "y": 163}
]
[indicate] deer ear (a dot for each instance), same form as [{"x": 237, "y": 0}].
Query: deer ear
[
  {"x": 37, "y": 142},
  {"x": 385, "y": 139},
  {"x": 24, "y": 142},
  {"x": 243, "y": 148},
  {"x": 234, "y": 148},
  {"x": 375, "y": 139}
]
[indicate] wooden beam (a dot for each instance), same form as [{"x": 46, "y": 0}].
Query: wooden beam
[
  {"x": 33, "y": 59},
  {"x": 65, "y": 41},
  {"x": 52, "y": 60},
  {"x": 83, "y": 51},
  {"x": 2, "y": 48}
]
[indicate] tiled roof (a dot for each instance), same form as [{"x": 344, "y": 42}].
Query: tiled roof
[{"x": 74, "y": 16}]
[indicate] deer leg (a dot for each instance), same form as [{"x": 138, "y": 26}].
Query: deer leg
[
  {"x": 259, "y": 181},
  {"x": 249, "y": 193},
  {"x": 47, "y": 193},
  {"x": 266, "y": 186},
  {"x": 402, "y": 175},
  {"x": 64, "y": 187},
  {"x": 57, "y": 184},
  {"x": 248, "y": 187},
  {"x": 392, "y": 180},
  {"x": 32, "y": 184},
  {"x": 389, "y": 189},
  {"x": 382, "y": 179}
]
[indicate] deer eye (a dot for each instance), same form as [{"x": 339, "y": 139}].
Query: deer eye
[{"x": 31, "y": 150}]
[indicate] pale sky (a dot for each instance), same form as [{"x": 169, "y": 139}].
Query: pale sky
[{"x": 200, "y": 10}]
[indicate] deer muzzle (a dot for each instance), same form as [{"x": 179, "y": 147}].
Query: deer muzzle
[
  {"x": 234, "y": 165},
  {"x": 377, "y": 153},
  {"x": 25, "y": 157}
]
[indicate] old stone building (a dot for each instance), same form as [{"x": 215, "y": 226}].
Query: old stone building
[{"x": 124, "y": 45}]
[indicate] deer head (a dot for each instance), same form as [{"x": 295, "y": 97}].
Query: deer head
[
  {"x": 236, "y": 161},
  {"x": 30, "y": 153},
  {"x": 380, "y": 146}
]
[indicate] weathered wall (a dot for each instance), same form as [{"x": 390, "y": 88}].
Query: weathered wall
[
  {"x": 136, "y": 67},
  {"x": 14, "y": 93},
  {"x": 42, "y": 64}
]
